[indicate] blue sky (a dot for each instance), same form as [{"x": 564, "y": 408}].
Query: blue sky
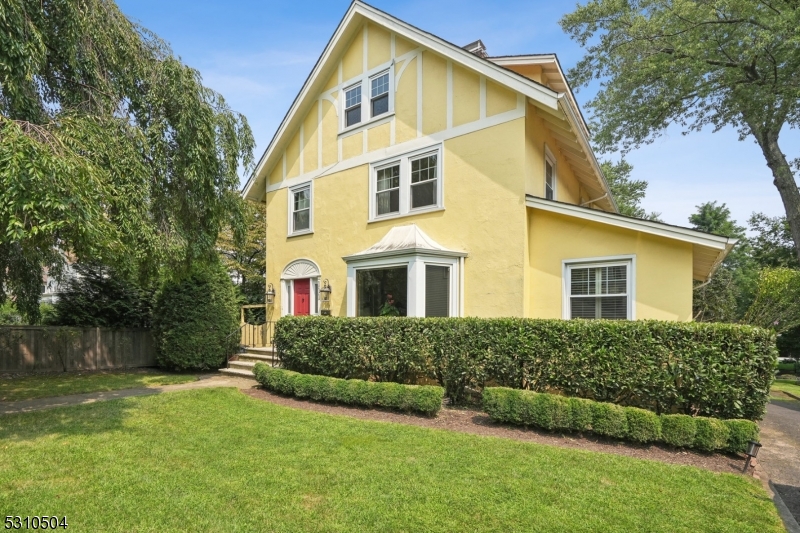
[{"x": 257, "y": 54}]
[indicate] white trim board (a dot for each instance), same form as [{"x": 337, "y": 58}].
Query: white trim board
[
  {"x": 716, "y": 243},
  {"x": 402, "y": 148},
  {"x": 542, "y": 96}
]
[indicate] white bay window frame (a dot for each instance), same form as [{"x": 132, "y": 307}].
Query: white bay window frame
[
  {"x": 415, "y": 263},
  {"x": 629, "y": 261},
  {"x": 404, "y": 162}
]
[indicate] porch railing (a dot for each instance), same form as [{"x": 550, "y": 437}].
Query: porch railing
[{"x": 256, "y": 335}]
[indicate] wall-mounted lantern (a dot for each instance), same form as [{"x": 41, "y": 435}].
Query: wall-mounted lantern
[
  {"x": 325, "y": 299},
  {"x": 270, "y": 294}
]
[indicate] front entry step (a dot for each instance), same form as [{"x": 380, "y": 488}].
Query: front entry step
[{"x": 242, "y": 363}]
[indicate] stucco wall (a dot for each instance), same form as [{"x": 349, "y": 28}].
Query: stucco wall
[
  {"x": 663, "y": 266},
  {"x": 484, "y": 216}
]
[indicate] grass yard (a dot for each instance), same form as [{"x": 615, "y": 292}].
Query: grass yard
[
  {"x": 47, "y": 385},
  {"x": 786, "y": 385},
  {"x": 218, "y": 460}
]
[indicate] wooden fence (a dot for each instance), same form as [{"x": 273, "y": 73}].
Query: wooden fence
[{"x": 53, "y": 349}]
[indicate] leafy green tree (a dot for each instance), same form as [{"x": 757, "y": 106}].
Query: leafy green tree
[
  {"x": 628, "y": 192},
  {"x": 100, "y": 297},
  {"x": 729, "y": 291},
  {"x": 111, "y": 149},
  {"x": 694, "y": 64},
  {"x": 777, "y": 301},
  {"x": 771, "y": 241},
  {"x": 245, "y": 259}
]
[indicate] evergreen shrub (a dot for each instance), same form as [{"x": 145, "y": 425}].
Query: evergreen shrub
[
  {"x": 424, "y": 399},
  {"x": 196, "y": 321},
  {"x": 707, "y": 369}
]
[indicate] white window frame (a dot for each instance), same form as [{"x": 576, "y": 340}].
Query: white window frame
[
  {"x": 404, "y": 161},
  {"x": 365, "y": 81},
  {"x": 550, "y": 158},
  {"x": 593, "y": 262},
  {"x": 415, "y": 293},
  {"x": 292, "y": 190}
]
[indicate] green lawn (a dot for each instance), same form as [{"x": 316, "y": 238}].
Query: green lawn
[
  {"x": 218, "y": 460},
  {"x": 45, "y": 386},
  {"x": 786, "y": 385}
]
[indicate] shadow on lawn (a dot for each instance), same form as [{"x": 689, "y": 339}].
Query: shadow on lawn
[
  {"x": 99, "y": 417},
  {"x": 786, "y": 402}
]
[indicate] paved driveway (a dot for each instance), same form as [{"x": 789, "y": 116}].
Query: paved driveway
[{"x": 780, "y": 456}]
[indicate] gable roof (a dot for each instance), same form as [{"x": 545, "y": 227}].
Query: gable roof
[
  {"x": 708, "y": 250},
  {"x": 552, "y": 103}
]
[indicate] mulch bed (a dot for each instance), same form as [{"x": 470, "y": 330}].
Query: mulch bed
[{"x": 476, "y": 422}]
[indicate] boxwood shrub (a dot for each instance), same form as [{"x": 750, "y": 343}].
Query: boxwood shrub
[
  {"x": 420, "y": 398},
  {"x": 558, "y": 413},
  {"x": 678, "y": 430},
  {"x": 643, "y": 425},
  {"x": 707, "y": 369}
]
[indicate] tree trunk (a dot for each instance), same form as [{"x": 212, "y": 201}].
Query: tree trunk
[{"x": 783, "y": 180}]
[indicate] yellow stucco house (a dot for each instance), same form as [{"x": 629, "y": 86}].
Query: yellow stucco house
[{"x": 421, "y": 178}]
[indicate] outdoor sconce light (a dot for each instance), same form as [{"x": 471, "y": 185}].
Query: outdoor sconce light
[
  {"x": 752, "y": 451},
  {"x": 325, "y": 299},
  {"x": 270, "y": 294}
]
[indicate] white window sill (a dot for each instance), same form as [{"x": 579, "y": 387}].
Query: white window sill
[
  {"x": 421, "y": 211},
  {"x": 300, "y": 233},
  {"x": 375, "y": 121}
]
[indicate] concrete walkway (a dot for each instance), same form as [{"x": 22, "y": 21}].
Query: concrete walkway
[
  {"x": 780, "y": 456},
  {"x": 212, "y": 380}
]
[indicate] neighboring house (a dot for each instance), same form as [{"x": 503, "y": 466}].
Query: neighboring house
[
  {"x": 425, "y": 179},
  {"x": 52, "y": 287}
]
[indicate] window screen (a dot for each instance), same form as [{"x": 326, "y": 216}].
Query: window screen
[
  {"x": 380, "y": 94},
  {"x": 549, "y": 181},
  {"x": 387, "y": 196},
  {"x": 352, "y": 106},
  {"x": 301, "y": 212},
  {"x": 437, "y": 290},
  {"x": 599, "y": 292},
  {"x": 423, "y": 181}
]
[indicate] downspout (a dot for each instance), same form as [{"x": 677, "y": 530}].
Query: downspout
[{"x": 584, "y": 204}]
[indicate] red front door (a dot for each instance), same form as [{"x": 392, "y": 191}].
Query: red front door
[{"x": 302, "y": 297}]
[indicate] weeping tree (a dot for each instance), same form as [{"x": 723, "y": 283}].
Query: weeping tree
[
  {"x": 111, "y": 149},
  {"x": 694, "y": 63}
]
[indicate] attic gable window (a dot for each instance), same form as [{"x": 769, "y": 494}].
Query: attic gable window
[
  {"x": 380, "y": 94},
  {"x": 367, "y": 98},
  {"x": 352, "y": 106}
]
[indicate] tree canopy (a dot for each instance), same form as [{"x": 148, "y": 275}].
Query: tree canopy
[
  {"x": 628, "y": 192},
  {"x": 111, "y": 149},
  {"x": 694, "y": 64}
]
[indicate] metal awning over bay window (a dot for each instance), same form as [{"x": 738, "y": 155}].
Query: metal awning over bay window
[{"x": 405, "y": 274}]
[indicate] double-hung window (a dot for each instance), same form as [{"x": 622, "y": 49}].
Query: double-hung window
[
  {"x": 409, "y": 183},
  {"x": 352, "y": 106},
  {"x": 300, "y": 216},
  {"x": 367, "y": 99},
  {"x": 549, "y": 176},
  {"x": 599, "y": 290},
  {"x": 379, "y": 99}
]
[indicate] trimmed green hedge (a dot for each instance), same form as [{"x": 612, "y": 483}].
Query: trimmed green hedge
[
  {"x": 423, "y": 399},
  {"x": 719, "y": 370},
  {"x": 552, "y": 412}
]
